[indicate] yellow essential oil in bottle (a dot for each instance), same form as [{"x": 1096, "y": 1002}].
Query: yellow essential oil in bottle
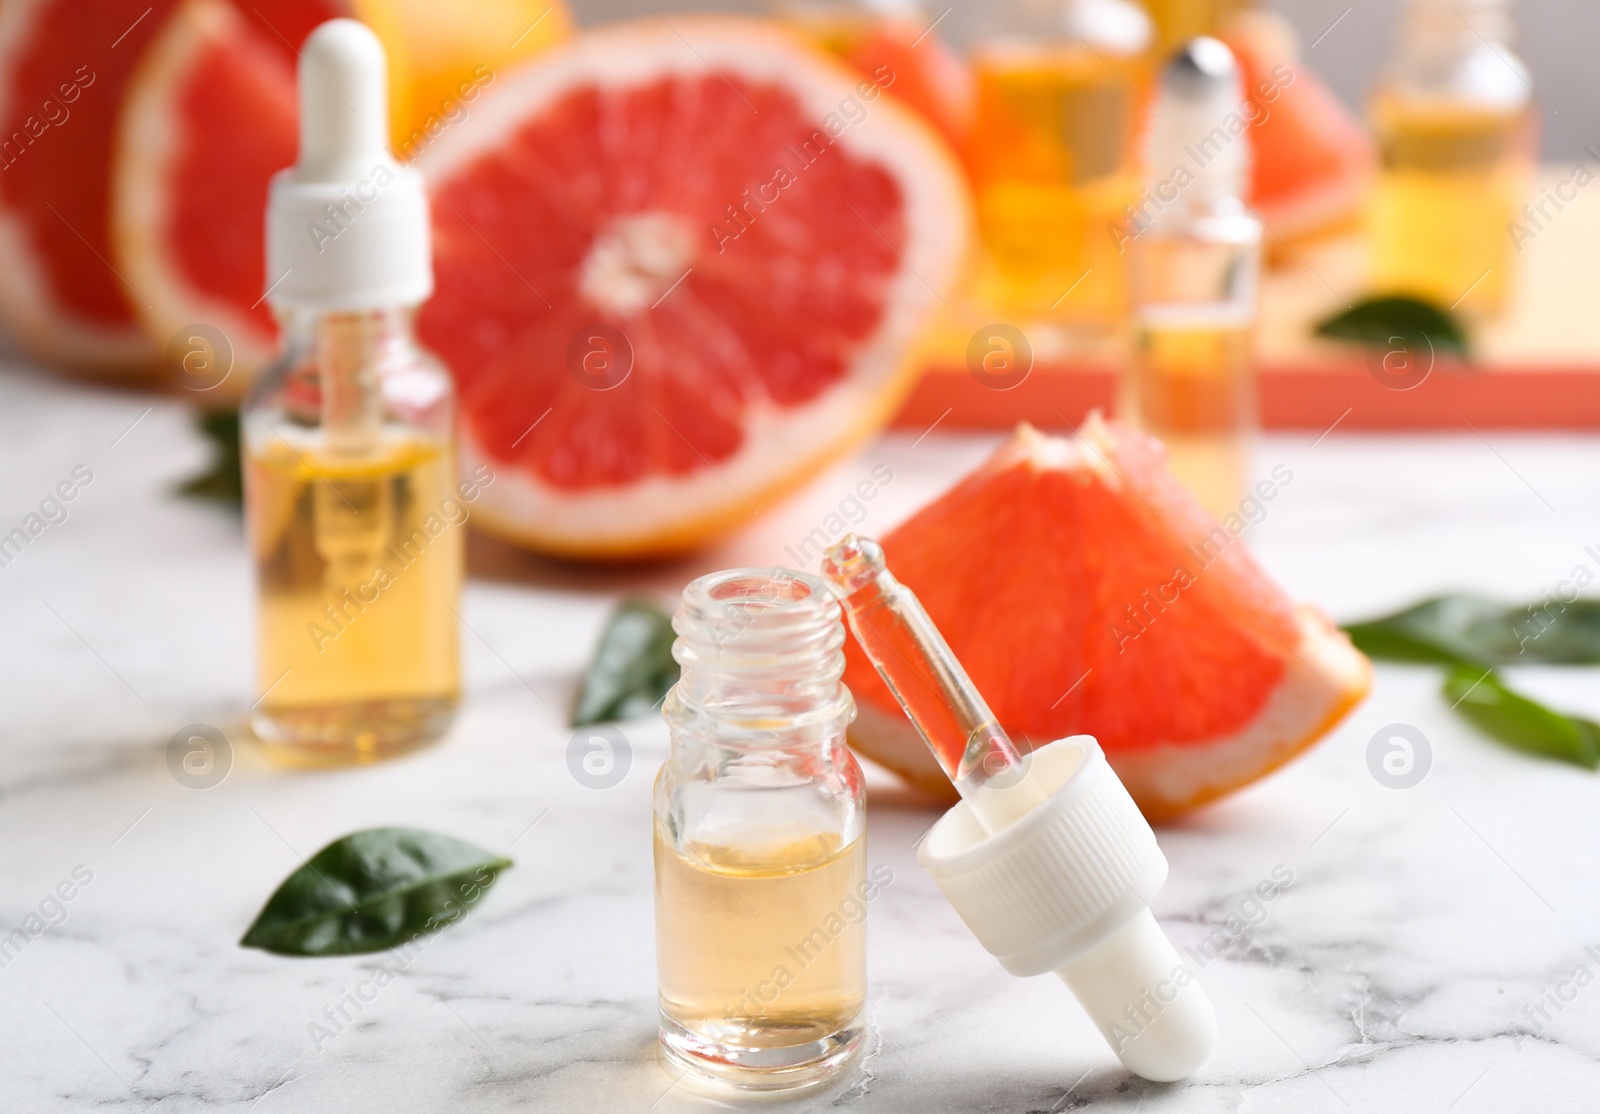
[
  {"x": 1052, "y": 158},
  {"x": 754, "y": 948},
  {"x": 348, "y": 440},
  {"x": 358, "y": 566},
  {"x": 1456, "y": 132},
  {"x": 1190, "y": 375},
  {"x": 1191, "y": 383},
  {"x": 760, "y": 854}
]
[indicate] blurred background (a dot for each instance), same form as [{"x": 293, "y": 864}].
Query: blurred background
[{"x": 1553, "y": 41}]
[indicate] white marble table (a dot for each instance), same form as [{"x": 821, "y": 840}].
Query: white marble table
[{"x": 1392, "y": 975}]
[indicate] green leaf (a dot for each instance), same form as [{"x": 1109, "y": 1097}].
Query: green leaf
[
  {"x": 632, "y": 667},
  {"x": 373, "y": 890},
  {"x": 1462, "y": 629},
  {"x": 1383, "y": 321},
  {"x": 1519, "y": 722},
  {"x": 223, "y": 481}
]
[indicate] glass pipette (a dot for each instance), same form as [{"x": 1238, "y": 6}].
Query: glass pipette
[{"x": 917, "y": 664}]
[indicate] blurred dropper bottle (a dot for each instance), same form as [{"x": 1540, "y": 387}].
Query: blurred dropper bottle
[
  {"x": 1195, "y": 251},
  {"x": 348, "y": 439},
  {"x": 1457, "y": 137},
  {"x": 1061, "y": 97}
]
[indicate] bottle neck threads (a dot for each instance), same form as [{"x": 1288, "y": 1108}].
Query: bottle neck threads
[{"x": 762, "y": 652}]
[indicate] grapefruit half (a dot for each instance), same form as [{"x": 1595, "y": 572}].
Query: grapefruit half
[
  {"x": 680, "y": 266},
  {"x": 1085, "y": 590},
  {"x": 210, "y": 117},
  {"x": 64, "y": 68}
]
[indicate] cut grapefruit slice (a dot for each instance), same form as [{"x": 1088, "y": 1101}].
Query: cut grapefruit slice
[
  {"x": 677, "y": 272},
  {"x": 1085, "y": 590},
  {"x": 64, "y": 67}
]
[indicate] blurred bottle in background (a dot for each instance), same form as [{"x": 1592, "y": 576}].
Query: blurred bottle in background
[
  {"x": 1178, "y": 21},
  {"x": 1457, "y": 141},
  {"x": 897, "y": 46},
  {"x": 1196, "y": 260},
  {"x": 1060, "y": 100}
]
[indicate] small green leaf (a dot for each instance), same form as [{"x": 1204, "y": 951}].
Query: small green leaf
[
  {"x": 223, "y": 481},
  {"x": 1384, "y": 321},
  {"x": 1461, "y": 629},
  {"x": 1519, "y": 722},
  {"x": 632, "y": 668},
  {"x": 373, "y": 890}
]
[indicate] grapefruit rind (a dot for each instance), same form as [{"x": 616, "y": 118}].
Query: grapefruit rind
[
  {"x": 1326, "y": 679},
  {"x": 782, "y": 447}
]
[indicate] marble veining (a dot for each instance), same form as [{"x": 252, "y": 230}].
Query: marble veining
[{"x": 1403, "y": 968}]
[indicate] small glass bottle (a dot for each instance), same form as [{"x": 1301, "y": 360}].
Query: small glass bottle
[
  {"x": 760, "y": 856},
  {"x": 1457, "y": 137},
  {"x": 1060, "y": 90},
  {"x": 349, "y": 457},
  {"x": 1196, "y": 261}
]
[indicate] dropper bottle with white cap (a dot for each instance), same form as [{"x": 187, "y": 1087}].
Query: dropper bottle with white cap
[
  {"x": 1046, "y": 858},
  {"x": 354, "y": 510},
  {"x": 1195, "y": 258}
]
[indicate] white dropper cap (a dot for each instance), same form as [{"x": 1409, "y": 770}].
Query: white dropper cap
[
  {"x": 1200, "y": 121},
  {"x": 1046, "y": 858},
  {"x": 347, "y": 226},
  {"x": 1066, "y": 888}
]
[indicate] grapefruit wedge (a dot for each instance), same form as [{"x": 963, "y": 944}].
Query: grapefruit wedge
[
  {"x": 1312, "y": 161},
  {"x": 678, "y": 272},
  {"x": 1085, "y": 590}
]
